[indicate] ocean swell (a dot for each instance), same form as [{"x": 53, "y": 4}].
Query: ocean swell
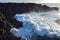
[{"x": 37, "y": 24}]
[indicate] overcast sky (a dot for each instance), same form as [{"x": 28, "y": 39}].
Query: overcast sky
[{"x": 35, "y": 1}]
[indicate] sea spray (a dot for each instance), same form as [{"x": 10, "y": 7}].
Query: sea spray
[{"x": 37, "y": 24}]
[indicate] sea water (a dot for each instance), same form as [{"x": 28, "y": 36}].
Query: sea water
[{"x": 38, "y": 23}]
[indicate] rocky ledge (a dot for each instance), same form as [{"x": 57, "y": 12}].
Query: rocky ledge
[{"x": 11, "y": 9}]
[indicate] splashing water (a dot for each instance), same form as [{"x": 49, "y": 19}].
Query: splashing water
[{"x": 38, "y": 24}]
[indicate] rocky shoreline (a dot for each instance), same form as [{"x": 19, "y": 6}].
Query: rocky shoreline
[{"x": 9, "y": 10}]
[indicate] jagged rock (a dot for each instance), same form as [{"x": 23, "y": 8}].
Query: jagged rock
[
  {"x": 43, "y": 8},
  {"x": 6, "y": 35},
  {"x": 5, "y": 27},
  {"x": 19, "y": 8},
  {"x": 16, "y": 23},
  {"x": 1, "y": 24},
  {"x": 11, "y": 9},
  {"x": 1, "y": 28}
]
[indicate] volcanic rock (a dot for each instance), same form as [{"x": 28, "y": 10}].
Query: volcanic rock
[{"x": 11, "y": 9}]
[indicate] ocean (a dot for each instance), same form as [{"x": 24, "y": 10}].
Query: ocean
[{"x": 39, "y": 23}]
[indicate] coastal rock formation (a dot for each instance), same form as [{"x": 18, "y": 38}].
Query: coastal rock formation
[
  {"x": 16, "y": 23},
  {"x": 9, "y": 10},
  {"x": 5, "y": 33},
  {"x": 19, "y": 8},
  {"x": 43, "y": 8}
]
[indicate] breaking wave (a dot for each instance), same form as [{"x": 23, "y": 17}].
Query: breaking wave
[{"x": 37, "y": 24}]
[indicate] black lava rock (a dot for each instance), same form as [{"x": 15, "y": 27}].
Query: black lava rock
[{"x": 17, "y": 24}]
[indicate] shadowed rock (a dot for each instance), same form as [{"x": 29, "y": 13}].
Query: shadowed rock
[
  {"x": 5, "y": 34},
  {"x": 58, "y": 21},
  {"x": 43, "y": 8},
  {"x": 19, "y": 8},
  {"x": 9, "y": 36},
  {"x": 16, "y": 23},
  {"x": 10, "y": 9}
]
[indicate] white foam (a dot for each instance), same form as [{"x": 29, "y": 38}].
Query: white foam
[
  {"x": 14, "y": 30},
  {"x": 36, "y": 24}
]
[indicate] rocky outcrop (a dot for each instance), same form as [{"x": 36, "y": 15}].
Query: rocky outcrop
[
  {"x": 16, "y": 23},
  {"x": 19, "y": 8},
  {"x": 5, "y": 34},
  {"x": 8, "y": 36},
  {"x": 43, "y": 8},
  {"x": 5, "y": 27},
  {"x": 10, "y": 9}
]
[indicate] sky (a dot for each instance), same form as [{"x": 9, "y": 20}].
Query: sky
[{"x": 34, "y": 1}]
